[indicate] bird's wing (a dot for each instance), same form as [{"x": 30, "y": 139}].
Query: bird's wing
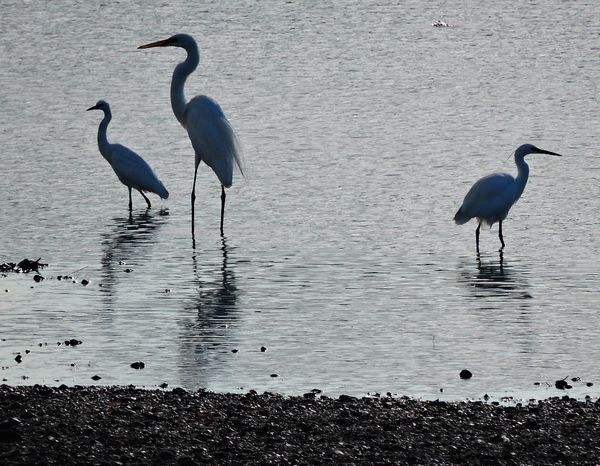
[
  {"x": 213, "y": 138},
  {"x": 489, "y": 197},
  {"x": 133, "y": 171}
]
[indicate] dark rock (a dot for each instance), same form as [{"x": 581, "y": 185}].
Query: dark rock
[
  {"x": 18, "y": 358},
  {"x": 85, "y": 282},
  {"x": 96, "y": 377},
  {"x": 234, "y": 350},
  {"x": 73, "y": 342},
  {"x": 465, "y": 374},
  {"x": 562, "y": 384},
  {"x": 274, "y": 375},
  {"x": 164, "y": 385},
  {"x": 137, "y": 365},
  {"x": 37, "y": 278},
  {"x": 263, "y": 349},
  {"x": 589, "y": 384}
]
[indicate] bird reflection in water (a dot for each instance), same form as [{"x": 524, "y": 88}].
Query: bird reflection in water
[
  {"x": 495, "y": 277},
  {"x": 131, "y": 238},
  {"x": 214, "y": 309}
]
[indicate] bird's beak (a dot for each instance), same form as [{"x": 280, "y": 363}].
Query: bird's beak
[
  {"x": 159, "y": 43},
  {"x": 95, "y": 107},
  {"x": 542, "y": 151}
]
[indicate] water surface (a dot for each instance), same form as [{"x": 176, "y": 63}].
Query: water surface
[{"x": 362, "y": 127}]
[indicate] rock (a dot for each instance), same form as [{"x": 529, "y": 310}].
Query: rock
[
  {"x": 274, "y": 375},
  {"x": 85, "y": 282},
  {"x": 263, "y": 349},
  {"x": 137, "y": 365},
  {"x": 37, "y": 278},
  {"x": 562, "y": 384},
  {"x": 465, "y": 374},
  {"x": 73, "y": 342},
  {"x": 96, "y": 377},
  {"x": 18, "y": 358}
]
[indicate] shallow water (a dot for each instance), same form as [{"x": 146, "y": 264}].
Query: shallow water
[{"x": 362, "y": 127}]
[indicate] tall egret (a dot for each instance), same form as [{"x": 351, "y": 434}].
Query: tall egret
[
  {"x": 209, "y": 130},
  {"x": 490, "y": 198},
  {"x": 131, "y": 169}
]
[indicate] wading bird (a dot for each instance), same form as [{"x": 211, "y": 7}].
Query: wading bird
[
  {"x": 131, "y": 169},
  {"x": 490, "y": 198},
  {"x": 210, "y": 132}
]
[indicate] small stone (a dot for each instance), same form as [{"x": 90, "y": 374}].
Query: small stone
[
  {"x": 465, "y": 374},
  {"x": 96, "y": 377},
  {"x": 589, "y": 384},
  {"x": 562, "y": 384},
  {"x": 137, "y": 365},
  {"x": 18, "y": 358},
  {"x": 73, "y": 342},
  {"x": 234, "y": 350},
  {"x": 274, "y": 375},
  {"x": 263, "y": 349},
  {"x": 37, "y": 278},
  {"x": 164, "y": 385},
  {"x": 27, "y": 351},
  {"x": 128, "y": 270},
  {"x": 85, "y": 282}
]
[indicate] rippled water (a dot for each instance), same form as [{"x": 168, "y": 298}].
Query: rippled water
[{"x": 362, "y": 127}]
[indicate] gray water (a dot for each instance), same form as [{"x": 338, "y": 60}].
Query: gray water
[{"x": 362, "y": 128}]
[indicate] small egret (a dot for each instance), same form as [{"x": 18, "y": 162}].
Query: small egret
[
  {"x": 211, "y": 134},
  {"x": 131, "y": 169},
  {"x": 490, "y": 198}
]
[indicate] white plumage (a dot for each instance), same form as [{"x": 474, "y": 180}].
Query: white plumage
[
  {"x": 131, "y": 169},
  {"x": 209, "y": 130},
  {"x": 490, "y": 198}
]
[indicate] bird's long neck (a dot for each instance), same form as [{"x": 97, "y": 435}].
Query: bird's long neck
[
  {"x": 103, "y": 143},
  {"x": 522, "y": 176},
  {"x": 182, "y": 71}
]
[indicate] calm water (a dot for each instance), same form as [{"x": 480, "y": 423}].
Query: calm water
[{"x": 362, "y": 127}]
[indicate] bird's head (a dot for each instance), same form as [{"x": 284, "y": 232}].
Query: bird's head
[
  {"x": 526, "y": 149},
  {"x": 178, "y": 40},
  {"x": 100, "y": 105}
]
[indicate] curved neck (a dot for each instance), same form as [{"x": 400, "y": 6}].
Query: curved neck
[
  {"x": 522, "y": 176},
  {"x": 103, "y": 143},
  {"x": 182, "y": 71}
]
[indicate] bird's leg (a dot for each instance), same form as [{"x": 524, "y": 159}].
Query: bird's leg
[
  {"x": 194, "y": 199},
  {"x": 130, "y": 203},
  {"x": 222, "y": 207},
  {"x": 500, "y": 234},
  {"x": 145, "y": 198},
  {"x": 477, "y": 236}
]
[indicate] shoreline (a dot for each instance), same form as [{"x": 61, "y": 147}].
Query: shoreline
[{"x": 113, "y": 424}]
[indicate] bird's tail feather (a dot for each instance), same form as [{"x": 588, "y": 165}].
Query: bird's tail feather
[{"x": 460, "y": 218}]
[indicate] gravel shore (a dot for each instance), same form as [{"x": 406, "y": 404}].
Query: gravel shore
[{"x": 124, "y": 425}]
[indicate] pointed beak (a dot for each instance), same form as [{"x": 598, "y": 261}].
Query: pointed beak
[
  {"x": 542, "y": 151},
  {"x": 95, "y": 107},
  {"x": 159, "y": 43}
]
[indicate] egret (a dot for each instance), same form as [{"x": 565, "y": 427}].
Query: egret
[
  {"x": 211, "y": 134},
  {"x": 490, "y": 198},
  {"x": 131, "y": 169}
]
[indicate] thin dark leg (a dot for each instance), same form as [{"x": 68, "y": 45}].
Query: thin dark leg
[
  {"x": 194, "y": 200},
  {"x": 222, "y": 207},
  {"x": 130, "y": 203},
  {"x": 477, "y": 237},
  {"x": 500, "y": 234},
  {"x": 146, "y": 198}
]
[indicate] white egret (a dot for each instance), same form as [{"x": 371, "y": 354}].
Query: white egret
[
  {"x": 490, "y": 198},
  {"x": 211, "y": 134},
  {"x": 131, "y": 169}
]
